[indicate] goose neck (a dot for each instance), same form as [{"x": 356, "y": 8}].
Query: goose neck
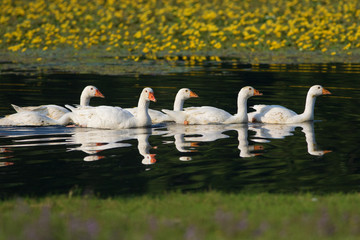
[
  {"x": 308, "y": 113},
  {"x": 242, "y": 108},
  {"x": 143, "y": 117},
  {"x": 84, "y": 99},
  {"x": 178, "y": 103}
]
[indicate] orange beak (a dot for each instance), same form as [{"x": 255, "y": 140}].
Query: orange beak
[
  {"x": 152, "y": 158},
  {"x": 99, "y": 94},
  {"x": 152, "y": 97},
  {"x": 327, "y": 151},
  {"x": 325, "y": 92},
  {"x": 192, "y": 94},
  {"x": 257, "y": 93}
]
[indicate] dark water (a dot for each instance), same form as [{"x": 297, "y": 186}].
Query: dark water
[{"x": 232, "y": 158}]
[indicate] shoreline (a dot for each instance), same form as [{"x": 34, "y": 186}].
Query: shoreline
[{"x": 99, "y": 61}]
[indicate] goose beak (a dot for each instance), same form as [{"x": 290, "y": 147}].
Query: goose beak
[
  {"x": 325, "y": 92},
  {"x": 257, "y": 93},
  {"x": 192, "y": 94},
  {"x": 99, "y": 94},
  {"x": 152, "y": 97}
]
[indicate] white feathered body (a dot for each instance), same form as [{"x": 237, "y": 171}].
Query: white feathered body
[
  {"x": 30, "y": 118},
  {"x": 156, "y": 116},
  {"x": 51, "y": 111},
  {"x": 107, "y": 117},
  {"x": 272, "y": 114},
  {"x": 199, "y": 115}
]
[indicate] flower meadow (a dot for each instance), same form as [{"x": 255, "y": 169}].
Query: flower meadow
[{"x": 189, "y": 30}]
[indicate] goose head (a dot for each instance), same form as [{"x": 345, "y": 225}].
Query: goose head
[
  {"x": 92, "y": 91},
  {"x": 318, "y": 90},
  {"x": 182, "y": 95},
  {"x": 87, "y": 93},
  {"x": 148, "y": 94},
  {"x": 249, "y": 91},
  {"x": 186, "y": 93}
]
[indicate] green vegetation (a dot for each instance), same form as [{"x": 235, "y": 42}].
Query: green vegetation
[{"x": 209, "y": 215}]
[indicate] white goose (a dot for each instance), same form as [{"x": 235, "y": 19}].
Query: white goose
[
  {"x": 207, "y": 114},
  {"x": 55, "y": 111},
  {"x": 280, "y": 114},
  {"x": 33, "y": 118},
  {"x": 157, "y": 116},
  {"x": 107, "y": 117}
]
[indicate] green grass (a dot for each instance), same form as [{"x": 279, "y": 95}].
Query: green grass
[{"x": 211, "y": 215}]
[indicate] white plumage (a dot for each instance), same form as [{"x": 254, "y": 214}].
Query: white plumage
[
  {"x": 159, "y": 117},
  {"x": 30, "y": 118},
  {"x": 107, "y": 117},
  {"x": 208, "y": 114},
  {"x": 280, "y": 114},
  {"x": 55, "y": 111}
]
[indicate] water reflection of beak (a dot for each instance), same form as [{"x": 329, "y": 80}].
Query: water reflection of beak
[
  {"x": 4, "y": 150},
  {"x": 152, "y": 158},
  {"x": 327, "y": 151},
  {"x": 194, "y": 144},
  {"x": 258, "y": 147}
]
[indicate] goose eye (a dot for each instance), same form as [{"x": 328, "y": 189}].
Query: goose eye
[
  {"x": 250, "y": 88},
  {"x": 318, "y": 87},
  {"x": 186, "y": 90},
  {"x": 92, "y": 88}
]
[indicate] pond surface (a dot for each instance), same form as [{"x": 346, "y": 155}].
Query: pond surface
[{"x": 320, "y": 156}]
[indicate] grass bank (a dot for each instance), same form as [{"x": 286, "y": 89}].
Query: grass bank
[
  {"x": 209, "y": 215},
  {"x": 193, "y": 31}
]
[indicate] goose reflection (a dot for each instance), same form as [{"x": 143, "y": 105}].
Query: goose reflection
[
  {"x": 246, "y": 150},
  {"x": 94, "y": 141},
  {"x": 280, "y": 131},
  {"x": 4, "y": 164},
  {"x": 188, "y": 137}
]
